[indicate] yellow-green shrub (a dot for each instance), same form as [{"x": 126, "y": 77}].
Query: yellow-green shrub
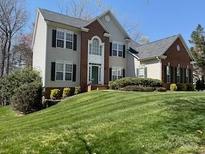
[
  {"x": 173, "y": 87},
  {"x": 55, "y": 94},
  {"x": 66, "y": 92}
]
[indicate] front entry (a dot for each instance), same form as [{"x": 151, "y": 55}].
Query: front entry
[{"x": 95, "y": 74}]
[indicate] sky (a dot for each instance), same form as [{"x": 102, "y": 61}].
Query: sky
[{"x": 155, "y": 19}]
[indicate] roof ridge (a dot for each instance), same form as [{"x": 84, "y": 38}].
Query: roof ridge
[
  {"x": 159, "y": 40},
  {"x": 42, "y": 9}
]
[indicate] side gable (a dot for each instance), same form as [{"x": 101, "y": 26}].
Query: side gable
[{"x": 183, "y": 54}]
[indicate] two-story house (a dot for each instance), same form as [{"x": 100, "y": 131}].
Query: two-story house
[{"x": 71, "y": 52}]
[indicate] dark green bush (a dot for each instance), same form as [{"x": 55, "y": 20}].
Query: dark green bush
[
  {"x": 181, "y": 87},
  {"x": 128, "y": 81},
  {"x": 200, "y": 85},
  {"x": 161, "y": 89},
  {"x": 137, "y": 88},
  {"x": 10, "y": 83},
  {"x": 27, "y": 98},
  {"x": 190, "y": 87}
]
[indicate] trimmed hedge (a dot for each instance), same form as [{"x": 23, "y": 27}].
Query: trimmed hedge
[
  {"x": 55, "y": 94},
  {"x": 138, "y": 88},
  {"x": 27, "y": 98},
  {"x": 130, "y": 81}
]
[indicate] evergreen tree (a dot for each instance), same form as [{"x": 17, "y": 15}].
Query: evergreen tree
[{"x": 198, "y": 51}]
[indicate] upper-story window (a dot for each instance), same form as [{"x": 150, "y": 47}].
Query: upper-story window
[
  {"x": 178, "y": 48},
  {"x": 60, "y": 39},
  {"x": 95, "y": 47},
  {"x": 117, "y": 49},
  {"x": 64, "y": 39}
]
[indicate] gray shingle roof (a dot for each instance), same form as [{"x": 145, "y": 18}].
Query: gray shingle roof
[
  {"x": 156, "y": 48},
  {"x": 64, "y": 19}
]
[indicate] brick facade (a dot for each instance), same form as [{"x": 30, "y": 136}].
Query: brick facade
[
  {"x": 175, "y": 57},
  {"x": 95, "y": 29}
]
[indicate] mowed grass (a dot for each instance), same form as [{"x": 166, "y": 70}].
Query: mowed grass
[{"x": 110, "y": 122}]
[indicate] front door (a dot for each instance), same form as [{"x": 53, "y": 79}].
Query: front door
[{"x": 95, "y": 74}]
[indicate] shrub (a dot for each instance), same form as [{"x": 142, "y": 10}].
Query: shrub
[
  {"x": 161, "y": 89},
  {"x": 137, "y": 88},
  {"x": 77, "y": 90},
  {"x": 66, "y": 92},
  {"x": 200, "y": 85},
  {"x": 55, "y": 94},
  {"x": 190, "y": 87},
  {"x": 10, "y": 83},
  {"x": 27, "y": 98},
  {"x": 181, "y": 87},
  {"x": 128, "y": 81},
  {"x": 173, "y": 87}
]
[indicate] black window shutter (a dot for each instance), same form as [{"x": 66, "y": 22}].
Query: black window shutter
[
  {"x": 123, "y": 73},
  {"x": 175, "y": 73},
  {"x": 123, "y": 51},
  {"x": 172, "y": 74},
  {"x": 110, "y": 74},
  {"x": 145, "y": 72},
  {"x": 53, "y": 71},
  {"x": 54, "y": 38},
  {"x": 185, "y": 81},
  {"x": 165, "y": 74},
  {"x": 181, "y": 75},
  {"x": 74, "y": 72},
  {"x": 110, "y": 48},
  {"x": 75, "y": 42},
  {"x": 190, "y": 76}
]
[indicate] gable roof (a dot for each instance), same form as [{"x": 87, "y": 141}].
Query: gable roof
[
  {"x": 64, "y": 19},
  {"x": 158, "y": 48}
]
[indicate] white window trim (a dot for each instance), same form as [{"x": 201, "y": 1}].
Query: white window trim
[
  {"x": 118, "y": 43},
  {"x": 141, "y": 67},
  {"x": 64, "y": 31},
  {"x": 64, "y": 70}
]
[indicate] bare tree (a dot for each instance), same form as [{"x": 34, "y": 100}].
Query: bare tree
[
  {"x": 12, "y": 20},
  {"x": 81, "y": 8}
]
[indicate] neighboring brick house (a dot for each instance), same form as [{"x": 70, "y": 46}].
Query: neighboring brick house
[{"x": 71, "y": 52}]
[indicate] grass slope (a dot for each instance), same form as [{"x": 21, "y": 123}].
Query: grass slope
[{"x": 108, "y": 123}]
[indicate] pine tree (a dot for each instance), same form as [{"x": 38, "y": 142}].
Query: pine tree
[{"x": 198, "y": 51}]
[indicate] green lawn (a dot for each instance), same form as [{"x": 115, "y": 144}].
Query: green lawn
[{"x": 110, "y": 122}]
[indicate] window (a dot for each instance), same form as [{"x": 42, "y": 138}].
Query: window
[
  {"x": 168, "y": 74},
  {"x": 64, "y": 71},
  {"x": 178, "y": 48},
  {"x": 187, "y": 74},
  {"x": 141, "y": 73},
  {"x": 95, "y": 47},
  {"x": 114, "y": 49},
  {"x": 59, "y": 71},
  {"x": 117, "y": 73},
  {"x": 64, "y": 39},
  {"x": 60, "y": 39},
  {"x": 68, "y": 71},
  {"x": 178, "y": 73},
  {"x": 117, "y": 49},
  {"x": 69, "y": 41},
  {"x": 120, "y": 50}
]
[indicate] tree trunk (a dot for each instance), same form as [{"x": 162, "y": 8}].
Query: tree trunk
[
  {"x": 3, "y": 56},
  {"x": 8, "y": 55}
]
